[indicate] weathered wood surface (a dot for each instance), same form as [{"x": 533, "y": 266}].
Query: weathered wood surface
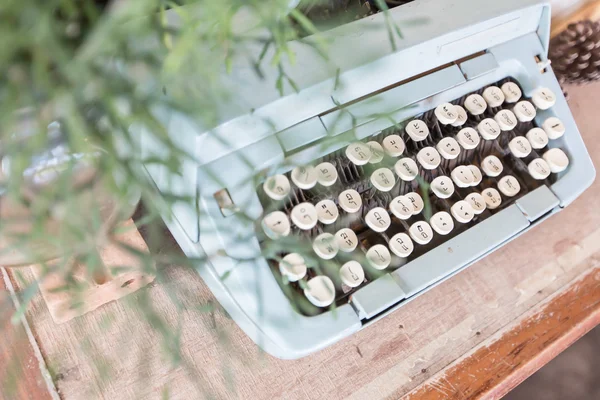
[{"x": 115, "y": 353}]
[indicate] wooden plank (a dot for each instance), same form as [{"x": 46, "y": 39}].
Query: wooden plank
[
  {"x": 503, "y": 362},
  {"x": 125, "y": 349},
  {"x": 20, "y": 374}
]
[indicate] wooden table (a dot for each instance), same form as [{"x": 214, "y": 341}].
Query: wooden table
[{"x": 477, "y": 335}]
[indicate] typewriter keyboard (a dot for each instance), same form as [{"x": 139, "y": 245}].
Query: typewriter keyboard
[{"x": 377, "y": 204}]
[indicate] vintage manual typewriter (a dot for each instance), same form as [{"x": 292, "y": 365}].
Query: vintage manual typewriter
[{"x": 392, "y": 169}]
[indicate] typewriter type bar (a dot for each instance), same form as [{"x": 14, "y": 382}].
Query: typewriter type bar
[{"x": 379, "y": 204}]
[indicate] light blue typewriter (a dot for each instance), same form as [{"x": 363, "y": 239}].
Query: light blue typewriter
[{"x": 391, "y": 170}]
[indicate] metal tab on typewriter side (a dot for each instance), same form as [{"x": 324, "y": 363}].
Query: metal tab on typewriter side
[
  {"x": 377, "y": 297},
  {"x": 538, "y": 203}
]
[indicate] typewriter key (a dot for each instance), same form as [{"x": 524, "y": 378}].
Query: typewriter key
[
  {"x": 346, "y": 240},
  {"x": 448, "y": 148},
  {"x": 326, "y": 174},
  {"x": 394, "y": 145},
  {"x": 276, "y": 224},
  {"x": 417, "y": 130},
  {"x": 446, "y": 113},
  {"x": 509, "y": 186},
  {"x": 492, "y": 198},
  {"x": 520, "y": 147},
  {"x": 443, "y": 187},
  {"x": 421, "y": 232},
  {"x": 462, "y": 176},
  {"x": 506, "y": 119},
  {"x": 350, "y": 201},
  {"x": 477, "y": 175},
  {"x": 512, "y": 92},
  {"x": 468, "y": 138},
  {"x": 537, "y": 138},
  {"x": 359, "y": 153},
  {"x": 304, "y": 216},
  {"x": 544, "y": 98},
  {"x": 477, "y": 202},
  {"x": 320, "y": 291},
  {"x": 556, "y": 159},
  {"x": 378, "y": 219},
  {"x": 305, "y": 177},
  {"x": 492, "y": 166},
  {"x": 429, "y": 158},
  {"x": 401, "y": 245},
  {"x": 352, "y": 274},
  {"x": 461, "y": 116},
  {"x": 554, "y": 128},
  {"x": 489, "y": 129},
  {"x": 293, "y": 267},
  {"x": 442, "y": 223},
  {"x": 277, "y": 187},
  {"x": 462, "y": 212},
  {"x": 524, "y": 111},
  {"x": 475, "y": 104},
  {"x": 383, "y": 179},
  {"x": 539, "y": 169},
  {"x": 416, "y": 201},
  {"x": 407, "y": 169},
  {"x": 494, "y": 96},
  {"x": 402, "y": 207},
  {"x": 379, "y": 257},
  {"x": 327, "y": 212},
  {"x": 325, "y": 246},
  {"x": 377, "y": 152}
]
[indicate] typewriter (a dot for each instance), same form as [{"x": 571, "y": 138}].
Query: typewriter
[{"x": 323, "y": 210}]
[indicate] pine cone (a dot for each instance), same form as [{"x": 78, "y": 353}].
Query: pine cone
[{"x": 575, "y": 53}]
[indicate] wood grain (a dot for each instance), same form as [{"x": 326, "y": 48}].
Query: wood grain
[{"x": 125, "y": 349}]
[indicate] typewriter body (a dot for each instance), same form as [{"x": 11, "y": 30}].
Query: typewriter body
[{"x": 392, "y": 169}]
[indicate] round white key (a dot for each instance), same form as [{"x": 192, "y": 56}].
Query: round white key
[
  {"x": 326, "y": 174},
  {"x": 494, "y": 96},
  {"x": 492, "y": 198},
  {"x": 325, "y": 246},
  {"x": 377, "y": 152},
  {"x": 538, "y": 138},
  {"x": 359, "y": 153},
  {"x": 416, "y": 201},
  {"x": 489, "y": 129},
  {"x": 520, "y": 147},
  {"x": 305, "y": 177},
  {"x": 327, "y": 212},
  {"x": 320, "y": 291},
  {"x": 304, "y": 216},
  {"x": 462, "y": 212},
  {"x": 512, "y": 92},
  {"x": 556, "y": 159},
  {"x": 394, "y": 145},
  {"x": 475, "y": 104},
  {"x": 350, "y": 201},
  {"x": 429, "y": 158},
  {"x": 417, "y": 130},
  {"x": 383, "y": 179},
  {"x": 352, "y": 274},
  {"x": 506, "y": 119},
  {"x": 276, "y": 225},
  {"x": 442, "y": 223},
  {"x": 293, "y": 267},
  {"x": 461, "y": 116},
  {"x": 539, "y": 169},
  {"x": 407, "y": 169},
  {"x": 402, "y": 207},
  {"x": 477, "y": 175},
  {"x": 468, "y": 138},
  {"x": 277, "y": 187},
  {"x": 421, "y": 232},
  {"x": 462, "y": 176},
  {"x": 379, "y": 257},
  {"x": 401, "y": 245},
  {"x": 492, "y": 166},
  {"x": 448, "y": 148},
  {"x": 554, "y": 128},
  {"x": 544, "y": 98},
  {"x": 446, "y": 113},
  {"x": 509, "y": 186},
  {"x": 378, "y": 219},
  {"x": 346, "y": 240},
  {"x": 524, "y": 111},
  {"x": 442, "y": 187},
  {"x": 477, "y": 202}
]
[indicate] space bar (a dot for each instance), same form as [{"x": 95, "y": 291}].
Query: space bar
[{"x": 461, "y": 251}]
